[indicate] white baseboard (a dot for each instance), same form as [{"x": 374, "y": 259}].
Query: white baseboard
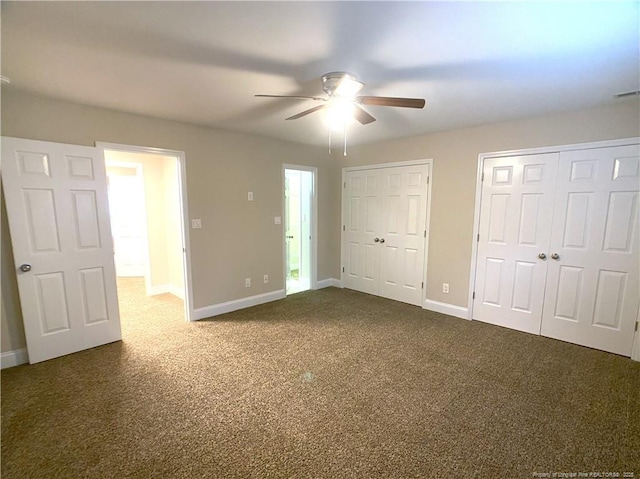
[
  {"x": 326, "y": 283},
  {"x": 176, "y": 291},
  {"x": 14, "y": 358},
  {"x": 446, "y": 308},
  {"x": 221, "y": 308},
  {"x": 166, "y": 288},
  {"x": 157, "y": 289}
]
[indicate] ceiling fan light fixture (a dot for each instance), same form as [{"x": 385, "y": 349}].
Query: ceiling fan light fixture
[
  {"x": 339, "y": 112},
  {"x": 348, "y": 87},
  {"x": 341, "y": 84}
]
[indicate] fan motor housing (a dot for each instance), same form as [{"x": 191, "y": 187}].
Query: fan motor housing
[{"x": 330, "y": 81}]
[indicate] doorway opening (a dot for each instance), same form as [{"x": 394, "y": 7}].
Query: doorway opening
[
  {"x": 299, "y": 228},
  {"x": 146, "y": 208}
]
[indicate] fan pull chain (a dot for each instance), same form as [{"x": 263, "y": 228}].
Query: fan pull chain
[{"x": 344, "y": 131}]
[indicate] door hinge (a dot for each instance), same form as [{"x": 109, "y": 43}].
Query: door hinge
[
  {"x": 636, "y": 326},
  {"x": 345, "y": 184},
  {"x": 343, "y": 269},
  {"x": 423, "y": 285},
  {"x": 427, "y": 180},
  {"x": 478, "y": 238},
  {"x": 344, "y": 228},
  {"x": 482, "y": 177},
  {"x": 425, "y": 233},
  {"x": 474, "y": 295}
]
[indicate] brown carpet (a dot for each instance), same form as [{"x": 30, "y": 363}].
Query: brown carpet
[{"x": 324, "y": 384}]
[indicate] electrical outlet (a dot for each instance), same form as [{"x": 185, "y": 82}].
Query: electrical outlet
[
  {"x": 247, "y": 282},
  {"x": 195, "y": 224},
  {"x": 445, "y": 287},
  {"x": 265, "y": 279}
]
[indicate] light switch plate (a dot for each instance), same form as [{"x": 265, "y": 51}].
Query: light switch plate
[
  {"x": 277, "y": 220},
  {"x": 250, "y": 195},
  {"x": 195, "y": 224}
]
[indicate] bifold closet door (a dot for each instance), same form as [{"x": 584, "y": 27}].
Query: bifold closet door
[
  {"x": 384, "y": 211},
  {"x": 593, "y": 288},
  {"x": 515, "y": 226}
]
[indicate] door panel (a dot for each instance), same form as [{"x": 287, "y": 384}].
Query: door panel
[
  {"x": 515, "y": 224},
  {"x": 56, "y": 197},
  {"x": 592, "y": 288},
  {"x": 404, "y": 223},
  {"x": 362, "y": 213}
]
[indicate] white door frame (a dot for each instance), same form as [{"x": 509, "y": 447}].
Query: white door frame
[
  {"x": 182, "y": 185},
  {"x": 426, "y": 161},
  {"x": 314, "y": 224},
  {"x": 478, "y": 199}
]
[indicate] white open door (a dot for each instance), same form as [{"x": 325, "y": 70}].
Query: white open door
[{"x": 56, "y": 197}]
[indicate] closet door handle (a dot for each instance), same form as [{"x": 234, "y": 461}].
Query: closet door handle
[
  {"x": 376, "y": 240},
  {"x": 542, "y": 256},
  {"x": 381, "y": 240},
  {"x": 555, "y": 256}
]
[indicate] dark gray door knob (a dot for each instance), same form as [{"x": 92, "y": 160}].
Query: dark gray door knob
[{"x": 25, "y": 268}]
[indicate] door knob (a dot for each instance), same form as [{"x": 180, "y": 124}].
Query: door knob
[
  {"x": 542, "y": 256},
  {"x": 555, "y": 256},
  {"x": 289, "y": 237},
  {"x": 25, "y": 268},
  {"x": 381, "y": 240},
  {"x": 376, "y": 240}
]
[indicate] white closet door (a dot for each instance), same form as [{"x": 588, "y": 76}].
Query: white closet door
[
  {"x": 515, "y": 226},
  {"x": 592, "y": 292},
  {"x": 362, "y": 217},
  {"x": 402, "y": 233},
  {"x": 56, "y": 197}
]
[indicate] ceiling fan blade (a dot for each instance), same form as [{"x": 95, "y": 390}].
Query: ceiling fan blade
[
  {"x": 362, "y": 116},
  {"x": 297, "y": 97},
  {"x": 390, "y": 101},
  {"x": 307, "y": 112}
]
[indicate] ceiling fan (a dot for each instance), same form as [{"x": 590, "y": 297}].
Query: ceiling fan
[{"x": 341, "y": 89}]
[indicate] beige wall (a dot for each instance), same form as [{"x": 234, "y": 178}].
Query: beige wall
[
  {"x": 455, "y": 160},
  {"x": 238, "y": 238}
]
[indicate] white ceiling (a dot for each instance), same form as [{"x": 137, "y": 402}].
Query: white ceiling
[{"x": 202, "y": 62}]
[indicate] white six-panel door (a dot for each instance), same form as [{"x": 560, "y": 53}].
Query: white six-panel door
[
  {"x": 402, "y": 233},
  {"x": 515, "y": 224},
  {"x": 593, "y": 290},
  {"x": 362, "y": 203},
  {"x": 56, "y": 198},
  {"x": 384, "y": 211},
  {"x": 558, "y": 247}
]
